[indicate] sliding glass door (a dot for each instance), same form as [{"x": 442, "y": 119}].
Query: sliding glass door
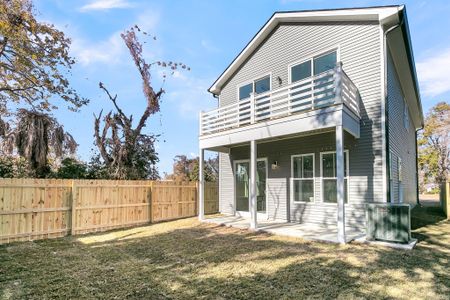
[{"x": 242, "y": 185}]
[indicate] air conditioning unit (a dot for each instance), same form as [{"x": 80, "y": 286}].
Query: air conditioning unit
[{"x": 389, "y": 222}]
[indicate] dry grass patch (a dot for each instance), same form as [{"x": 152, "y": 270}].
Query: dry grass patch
[{"x": 186, "y": 259}]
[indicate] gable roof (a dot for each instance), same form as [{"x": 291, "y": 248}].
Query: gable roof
[{"x": 386, "y": 15}]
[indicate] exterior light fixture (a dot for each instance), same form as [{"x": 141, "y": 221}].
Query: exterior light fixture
[{"x": 275, "y": 165}]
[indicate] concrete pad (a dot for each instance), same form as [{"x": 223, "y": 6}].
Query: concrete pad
[
  {"x": 307, "y": 231},
  {"x": 408, "y": 246}
]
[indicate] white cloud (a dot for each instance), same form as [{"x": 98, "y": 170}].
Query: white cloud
[
  {"x": 208, "y": 46},
  {"x": 109, "y": 51},
  {"x": 106, "y": 5},
  {"x": 112, "y": 51},
  {"x": 434, "y": 73},
  {"x": 189, "y": 94}
]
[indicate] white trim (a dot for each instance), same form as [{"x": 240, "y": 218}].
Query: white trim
[
  {"x": 310, "y": 57},
  {"x": 247, "y": 213},
  {"x": 383, "y": 114},
  {"x": 252, "y": 81},
  {"x": 291, "y": 179},
  {"x": 382, "y": 14},
  {"x": 347, "y": 168}
]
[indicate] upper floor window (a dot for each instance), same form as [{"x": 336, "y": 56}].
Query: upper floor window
[
  {"x": 405, "y": 115},
  {"x": 257, "y": 86},
  {"x": 314, "y": 66}
]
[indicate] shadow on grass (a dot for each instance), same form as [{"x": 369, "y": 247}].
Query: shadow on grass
[
  {"x": 217, "y": 262},
  {"x": 424, "y": 215}
]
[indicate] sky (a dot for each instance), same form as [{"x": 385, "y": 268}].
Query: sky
[{"x": 206, "y": 35}]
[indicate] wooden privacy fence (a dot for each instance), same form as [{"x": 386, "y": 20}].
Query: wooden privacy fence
[{"x": 32, "y": 209}]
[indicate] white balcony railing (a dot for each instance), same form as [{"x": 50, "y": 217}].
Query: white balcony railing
[{"x": 326, "y": 89}]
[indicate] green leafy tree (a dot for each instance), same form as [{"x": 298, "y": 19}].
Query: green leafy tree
[
  {"x": 14, "y": 167},
  {"x": 34, "y": 61},
  {"x": 72, "y": 168},
  {"x": 434, "y": 145},
  {"x": 186, "y": 169}
]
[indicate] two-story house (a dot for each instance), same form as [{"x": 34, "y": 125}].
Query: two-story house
[{"x": 317, "y": 116}]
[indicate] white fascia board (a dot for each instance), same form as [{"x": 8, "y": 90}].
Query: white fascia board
[{"x": 384, "y": 15}]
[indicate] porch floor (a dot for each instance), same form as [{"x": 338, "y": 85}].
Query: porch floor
[{"x": 307, "y": 231}]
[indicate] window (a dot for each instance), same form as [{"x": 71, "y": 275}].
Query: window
[
  {"x": 325, "y": 62},
  {"x": 405, "y": 115},
  {"x": 313, "y": 66},
  {"x": 262, "y": 85},
  {"x": 258, "y": 86},
  {"x": 302, "y": 180},
  {"x": 301, "y": 71},
  {"x": 400, "y": 179},
  {"x": 245, "y": 91},
  {"x": 329, "y": 180}
]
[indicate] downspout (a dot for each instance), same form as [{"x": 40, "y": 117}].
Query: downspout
[
  {"x": 417, "y": 170},
  {"x": 386, "y": 111}
]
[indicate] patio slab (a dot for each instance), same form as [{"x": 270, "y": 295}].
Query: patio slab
[{"x": 307, "y": 231}]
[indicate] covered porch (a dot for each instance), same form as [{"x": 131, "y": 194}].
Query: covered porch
[
  {"x": 334, "y": 229},
  {"x": 307, "y": 231}
]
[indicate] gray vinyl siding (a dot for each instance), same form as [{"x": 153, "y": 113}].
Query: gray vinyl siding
[
  {"x": 360, "y": 51},
  {"x": 401, "y": 140},
  {"x": 279, "y": 205},
  {"x": 226, "y": 186}
]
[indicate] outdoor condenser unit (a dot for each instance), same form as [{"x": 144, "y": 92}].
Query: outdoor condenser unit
[{"x": 388, "y": 222}]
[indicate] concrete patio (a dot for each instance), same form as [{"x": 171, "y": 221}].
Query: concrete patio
[{"x": 315, "y": 232}]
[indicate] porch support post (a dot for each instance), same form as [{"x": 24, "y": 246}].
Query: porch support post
[
  {"x": 201, "y": 185},
  {"x": 253, "y": 162},
  {"x": 340, "y": 184}
]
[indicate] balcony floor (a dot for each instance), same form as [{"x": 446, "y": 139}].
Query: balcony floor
[{"x": 307, "y": 231}]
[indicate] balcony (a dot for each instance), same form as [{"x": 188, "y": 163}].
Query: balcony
[{"x": 312, "y": 97}]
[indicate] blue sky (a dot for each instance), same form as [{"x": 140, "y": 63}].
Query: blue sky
[{"x": 206, "y": 35}]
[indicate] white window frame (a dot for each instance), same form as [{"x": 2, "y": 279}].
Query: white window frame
[
  {"x": 405, "y": 115},
  {"x": 252, "y": 81},
  {"x": 313, "y": 178},
  {"x": 311, "y": 57},
  {"x": 347, "y": 167}
]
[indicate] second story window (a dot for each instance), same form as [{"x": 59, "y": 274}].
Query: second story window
[
  {"x": 313, "y": 66},
  {"x": 257, "y": 86},
  {"x": 325, "y": 62},
  {"x": 245, "y": 91}
]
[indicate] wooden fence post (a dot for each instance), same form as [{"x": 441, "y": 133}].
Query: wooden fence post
[
  {"x": 197, "y": 188},
  {"x": 150, "y": 203},
  {"x": 74, "y": 201}
]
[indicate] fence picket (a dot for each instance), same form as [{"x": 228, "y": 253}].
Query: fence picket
[{"x": 32, "y": 209}]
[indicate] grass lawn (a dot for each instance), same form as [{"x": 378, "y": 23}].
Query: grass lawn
[{"x": 186, "y": 259}]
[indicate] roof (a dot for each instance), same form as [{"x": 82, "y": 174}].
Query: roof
[{"x": 386, "y": 15}]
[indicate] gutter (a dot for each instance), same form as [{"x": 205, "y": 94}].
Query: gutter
[{"x": 386, "y": 110}]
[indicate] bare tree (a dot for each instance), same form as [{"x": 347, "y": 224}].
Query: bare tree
[{"x": 126, "y": 151}]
